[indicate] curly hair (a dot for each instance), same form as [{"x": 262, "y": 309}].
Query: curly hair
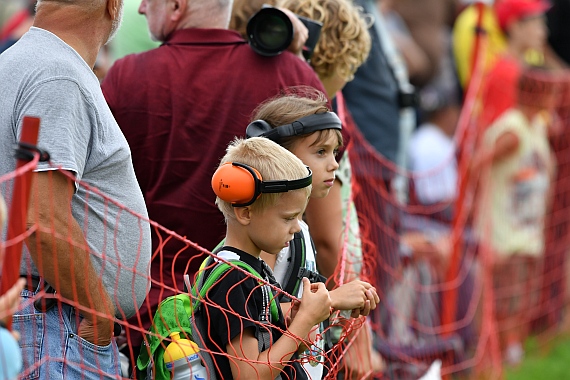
[{"x": 345, "y": 41}]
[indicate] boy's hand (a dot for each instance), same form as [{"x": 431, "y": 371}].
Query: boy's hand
[
  {"x": 358, "y": 296},
  {"x": 10, "y": 300},
  {"x": 290, "y": 310},
  {"x": 315, "y": 304}
]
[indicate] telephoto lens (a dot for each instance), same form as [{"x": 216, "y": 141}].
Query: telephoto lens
[
  {"x": 314, "y": 28},
  {"x": 269, "y": 32}
]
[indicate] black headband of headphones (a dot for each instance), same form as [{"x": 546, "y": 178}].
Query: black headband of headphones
[
  {"x": 276, "y": 186},
  {"x": 303, "y": 126}
]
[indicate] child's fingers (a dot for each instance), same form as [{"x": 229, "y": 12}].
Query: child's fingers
[
  {"x": 372, "y": 298},
  {"x": 10, "y": 300},
  {"x": 376, "y": 296},
  {"x": 306, "y": 283},
  {"x": 355, "y": 313},
  {"x": 314, "y": 287},
  {"x": 372, "y": 295},
  {"x": 366, "y": 309}
]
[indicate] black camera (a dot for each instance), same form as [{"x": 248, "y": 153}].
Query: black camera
[{"x": 270, "y": 32}]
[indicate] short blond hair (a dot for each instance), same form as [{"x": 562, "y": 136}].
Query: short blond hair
[
  {"x": 344, "y": 42},
  {"x": 272, "y": 161}
]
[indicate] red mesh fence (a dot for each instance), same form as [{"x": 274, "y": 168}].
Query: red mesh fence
[
  {"x": 38, "y": 331},
  {"x": 462, "y": 280},
  {"x": 466, "y": 279}
]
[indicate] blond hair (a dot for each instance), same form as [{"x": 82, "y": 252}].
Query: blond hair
[
  {"x": 272, "y": 161},
  {"x": 298, "y": 102},
  {"x": 344, "y": 42}
]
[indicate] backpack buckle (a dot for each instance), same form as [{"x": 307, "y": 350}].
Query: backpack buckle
[{"x": 313, "y": 277}]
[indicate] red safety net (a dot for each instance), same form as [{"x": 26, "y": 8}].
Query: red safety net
[
  {"x": 465, "y": 280},
  {"x": 120, "y": 279},
  {"x": 462, "y": 281}
]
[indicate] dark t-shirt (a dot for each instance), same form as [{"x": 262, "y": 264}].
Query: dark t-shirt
[
  {"x": 236, "y": 293},
  {"x": 372, "y": 98},
  {"x": 559, "y": 32},
  {"x": 179, "y": 106}
]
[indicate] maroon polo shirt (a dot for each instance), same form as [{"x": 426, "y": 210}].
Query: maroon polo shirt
[{"x": 179, "y": 106}]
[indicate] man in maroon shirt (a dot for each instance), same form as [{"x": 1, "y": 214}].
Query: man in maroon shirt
[{"x": 179, "y": 106}]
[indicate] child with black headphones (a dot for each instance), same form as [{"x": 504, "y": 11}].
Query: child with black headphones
[
  {"x": 262, "y": 189},
  {"x": 302, "y": 123}
]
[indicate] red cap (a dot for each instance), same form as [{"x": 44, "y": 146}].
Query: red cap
[{"x": 509, "y": 11}]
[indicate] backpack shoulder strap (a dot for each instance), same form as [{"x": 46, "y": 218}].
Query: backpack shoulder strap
[
  {"x": 291, "y": 282},
  {"x": 207, "y": 277},
  {"x": 296, "y": 269}
]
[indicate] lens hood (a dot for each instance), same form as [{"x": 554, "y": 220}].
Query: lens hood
[{"x": 269, "y": 32}]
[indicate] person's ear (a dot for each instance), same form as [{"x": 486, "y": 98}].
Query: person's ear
[
  {"x": 114, "y": 7},
  {"x": 243, "y": 215},
  {"x": 177, "y": 8}
]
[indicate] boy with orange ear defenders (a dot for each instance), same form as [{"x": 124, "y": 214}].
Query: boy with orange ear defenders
[
  {"x": 261, "y": 189},
  {"x": 303, "y": 124}
]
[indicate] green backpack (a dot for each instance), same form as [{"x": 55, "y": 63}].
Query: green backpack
[{"x": 179, "y": 313}]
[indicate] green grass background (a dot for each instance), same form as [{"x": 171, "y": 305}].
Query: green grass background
[{"x": 544, "y": 361}]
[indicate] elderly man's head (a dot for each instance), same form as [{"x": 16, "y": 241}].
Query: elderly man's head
[
  {"x": 166, "y": 16},
  {"x": 113, "y": 7}
]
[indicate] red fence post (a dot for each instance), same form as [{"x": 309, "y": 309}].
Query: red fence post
[
  {"x": 18, "y": 211},
  {"x": 449, "y": 300}
]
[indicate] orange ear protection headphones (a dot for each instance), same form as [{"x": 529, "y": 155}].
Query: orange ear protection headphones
[
  {"x": 241, "y": 184},
  {"x": 303, "y": 126}
]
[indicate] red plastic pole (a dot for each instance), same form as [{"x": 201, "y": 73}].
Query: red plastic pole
[
  {"x": 450, "y": 296},
  {"x": 18, "y": 211}
]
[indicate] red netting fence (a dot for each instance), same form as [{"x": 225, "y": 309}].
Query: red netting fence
[
  {"x": 466, "y": 279},
  {"x": 48, "y": 319},
  {"x": 463, "y": 280}
]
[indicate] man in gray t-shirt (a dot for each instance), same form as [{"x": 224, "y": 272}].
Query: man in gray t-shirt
[{"x": 93, "y": 251}]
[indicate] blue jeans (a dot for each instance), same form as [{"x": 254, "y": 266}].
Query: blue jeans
[{"x": 51, "y": 348}]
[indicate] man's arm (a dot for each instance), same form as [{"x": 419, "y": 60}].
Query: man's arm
[{"x": 61, "y": 254}]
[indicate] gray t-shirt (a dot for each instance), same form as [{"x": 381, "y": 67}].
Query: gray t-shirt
[{"x": 43, "y": 76}]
